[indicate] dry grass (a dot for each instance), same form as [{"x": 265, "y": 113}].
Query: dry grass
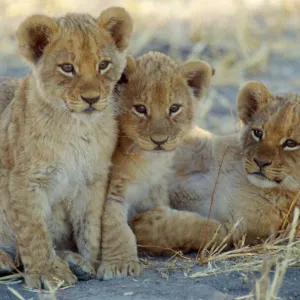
[
  {"x": 248, "y": 258},
  {"x": 279, "y": 253},
  {"x": 265, "y": 289}
]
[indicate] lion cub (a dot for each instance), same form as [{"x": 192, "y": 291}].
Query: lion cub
[
  {"x": 57, "y": 137},
  {"x": 258, "y": 181},
  {"x": 157, "y": 107}
]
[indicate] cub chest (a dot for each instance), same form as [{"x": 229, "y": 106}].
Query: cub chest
[
  {"x": 137, "y": 194},
  {"x": 77, "y": 162}
]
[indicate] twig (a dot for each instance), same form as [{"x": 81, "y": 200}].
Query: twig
[{"x": 211, "y": 203}]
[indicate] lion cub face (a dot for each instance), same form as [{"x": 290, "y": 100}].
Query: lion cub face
[
  {"x": 159, "y": 99},
  {"x": 77, "y": 59},
  {"x": 271, "y": 137}
]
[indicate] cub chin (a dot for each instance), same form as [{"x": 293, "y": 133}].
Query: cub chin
[
  {"x": 157, "y": 102},
  {"x": 57, "y": 137},
  {"x": 252, "y": 175}
]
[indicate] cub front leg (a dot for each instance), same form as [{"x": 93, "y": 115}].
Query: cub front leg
[
  {"x": 27, "y": 213},
  {"x": 119, "y": 250},
  {"x": 159, "y": 195},
  {"x": 7, "y": 264},
  {"x": 81, "y": 267},
  {"x": 87, "y": 221}
]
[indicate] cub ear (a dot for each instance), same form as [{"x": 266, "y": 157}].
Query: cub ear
[
  {"x": 251, "y": 98},
  {"x": 130, "y": 68},
  {"x": 34, "y": 34},
  {"x": 130, "y": 65},
  {"x": 198, "y": 75},
  {"x": 118, "y": 22}
]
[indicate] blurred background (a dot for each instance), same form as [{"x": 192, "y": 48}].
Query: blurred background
[{"x": 242, "y": 39}]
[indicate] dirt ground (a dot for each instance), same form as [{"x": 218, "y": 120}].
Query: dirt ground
[{"x": 159, "y": 282}]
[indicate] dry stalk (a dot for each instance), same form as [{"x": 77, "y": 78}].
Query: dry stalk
[
  {"x": 203, "y": 242},
  {"x": 264, "y": 288},
  {"x": 176, "y": 253},
  {"x": 292, "y": 206},
  {"x": 15, "y": 293},
  {"x": 217, "y": 250}
]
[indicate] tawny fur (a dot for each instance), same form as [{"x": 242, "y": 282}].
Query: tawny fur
[
  {"x": 8, "y": 87},
  {"x": 260, "y": 195},
  {"x": 57, "y": 137},
  {"x": 138, "y": 179}
]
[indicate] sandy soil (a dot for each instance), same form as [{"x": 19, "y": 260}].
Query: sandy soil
[{"x": 160, "y": 282}]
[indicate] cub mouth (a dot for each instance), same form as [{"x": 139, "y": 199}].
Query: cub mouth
[
  {"x": 159, "y": 148},
  {"x": 264, "y": 177},
  {"x": 89, "y": 110}
]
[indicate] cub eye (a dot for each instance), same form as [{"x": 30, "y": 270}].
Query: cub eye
[
  {"x": 141, "y": 109},
  {"x": 257, "y": 134},
  {"x": 174, "y": 108},
  {"x": 103, "y": 65},
  {"x": 67, "y": 68},
  {"x": 290, "y": 144}
]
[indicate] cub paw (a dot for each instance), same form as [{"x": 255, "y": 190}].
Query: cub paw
[
  {"x": 119, "y": 269},
  {"x": 7, "y": 265},
  {"x": 144, "y": 222},
  {"x": 6, "y": 269},
  {"x": 80, "y": 266},
  {"x": 50, "y": 277}
]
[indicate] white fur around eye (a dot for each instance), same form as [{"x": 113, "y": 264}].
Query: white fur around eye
[
  {"x": 176, "y": 112},
  {"x": 256, "y": 137},
  {"x": 68, "y": 74},
  {"x": 287, "y": 148},
  {"x": 137, "y": 113},
  {"x": 103, "y": 71},
  {"x": 290, "y": 148}
]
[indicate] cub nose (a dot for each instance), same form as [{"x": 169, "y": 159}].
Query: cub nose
[
  {"x": 90, "y": 100},
  {"x": 262, "y": 162},
  {"x": 159, "y": 142}
]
